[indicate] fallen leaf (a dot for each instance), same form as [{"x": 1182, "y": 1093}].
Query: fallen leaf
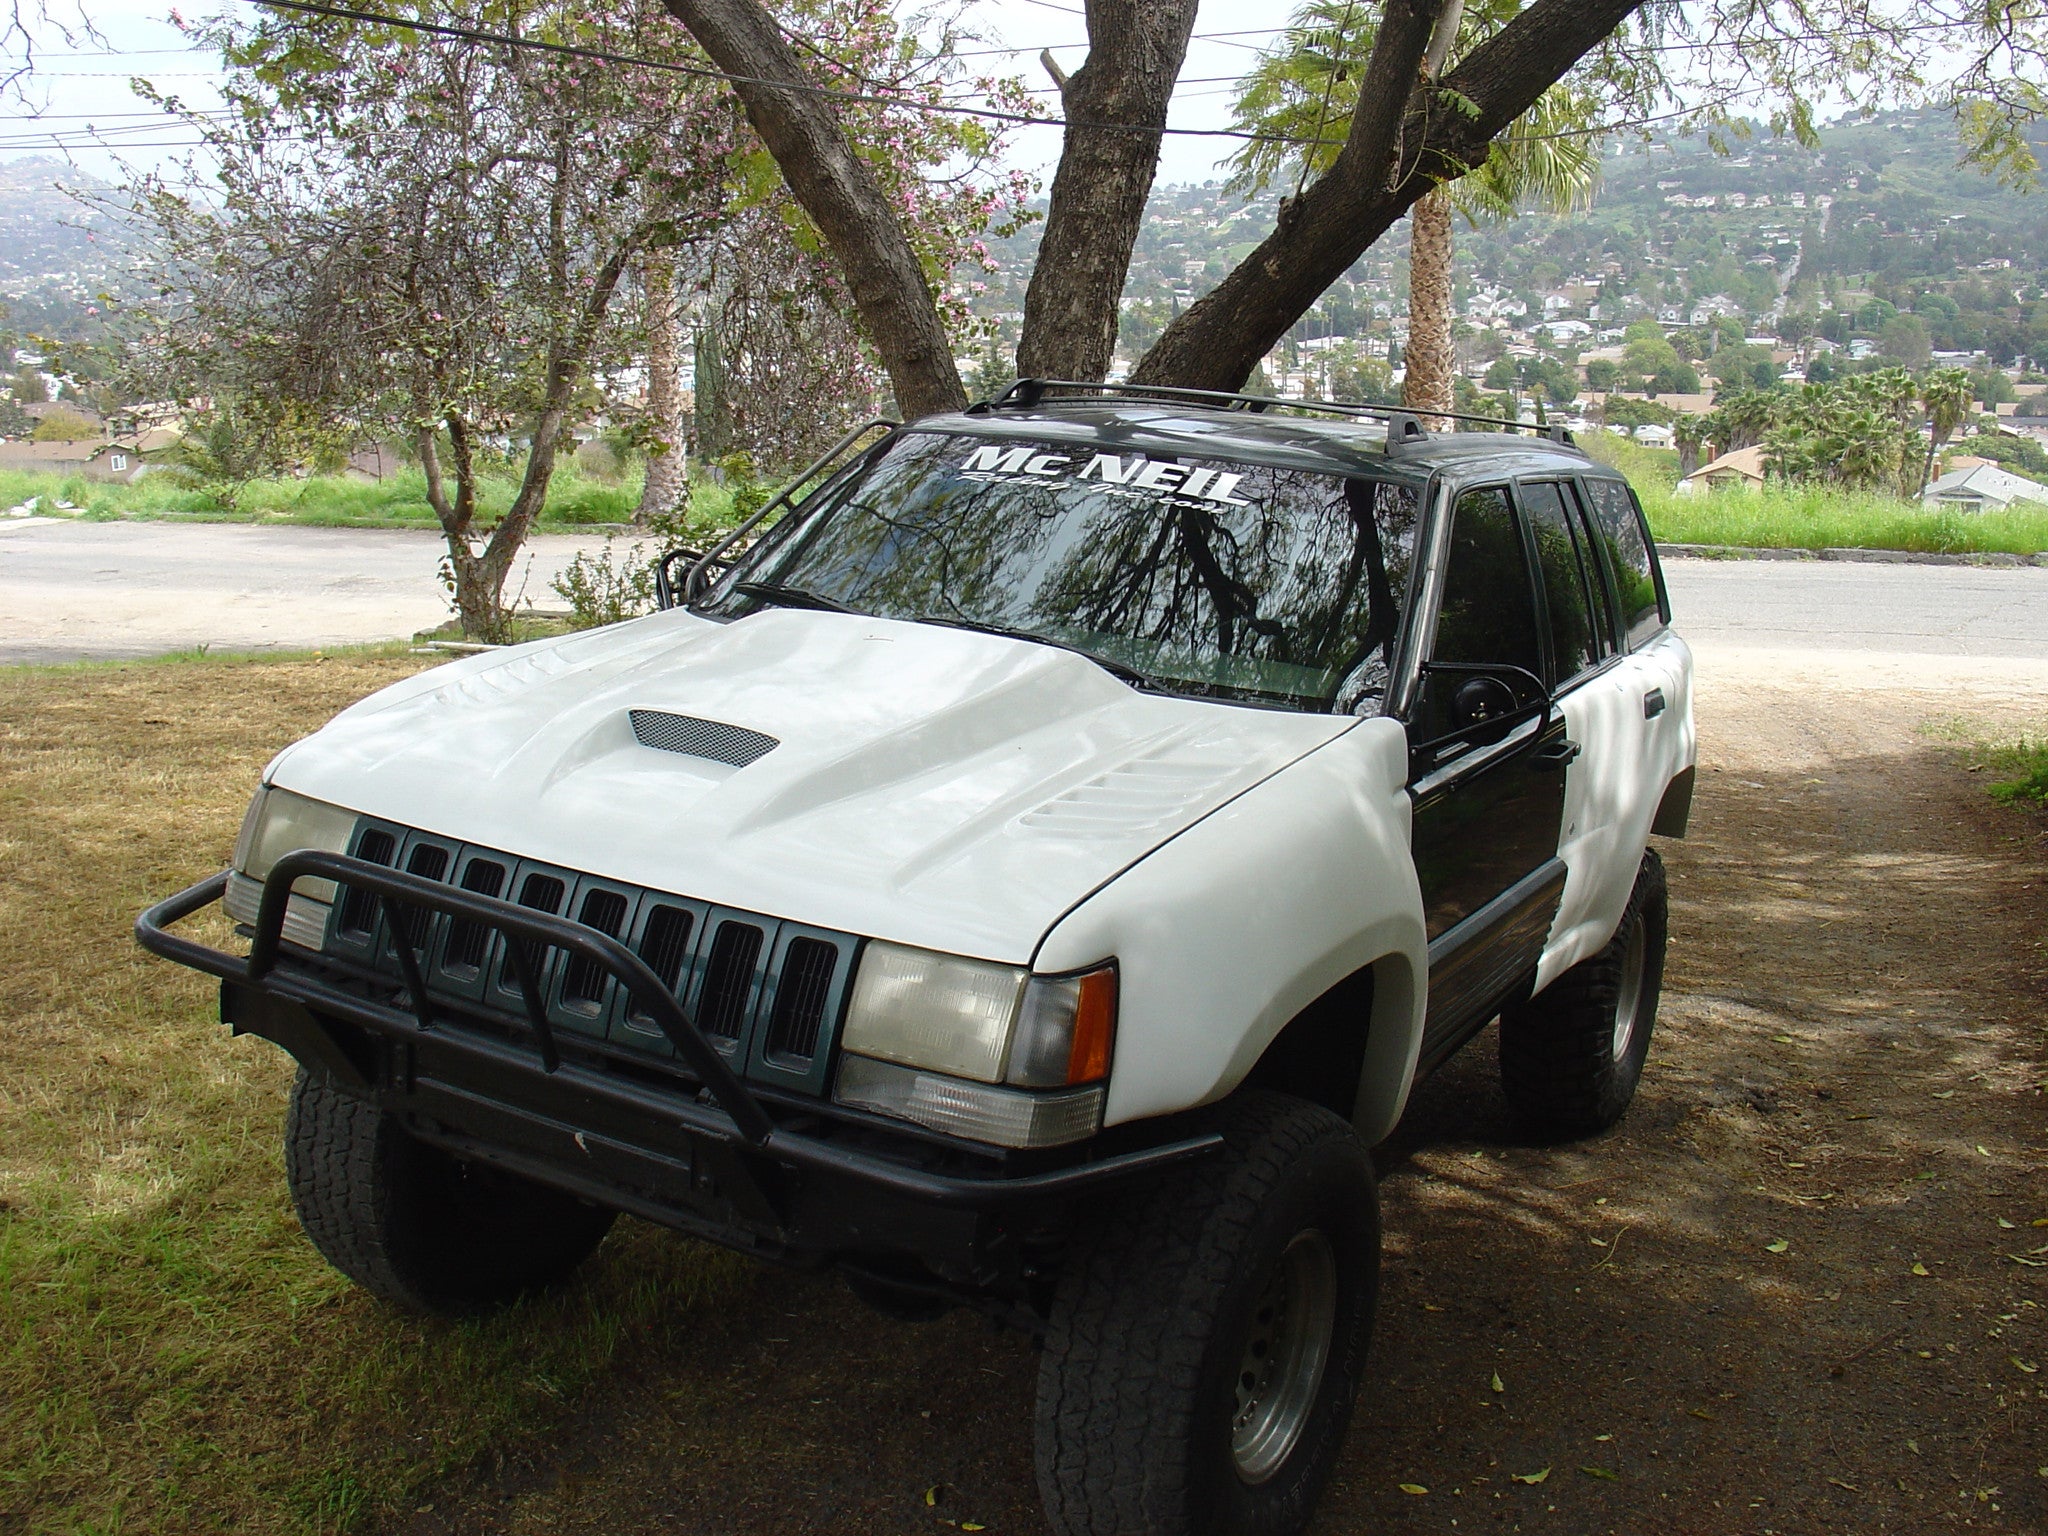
[
  {"x": 931, "y": 1494},
  {"x": 1496, "y": 1383},
  {"x": 1413, "y": 1488},
  {"x": 1840, "y": 1484},
  {"x": 2039, "y": 1221},
  {"x": 1430, "y": 1306},
  {"x": 2021, "y": 1258},
  {"x": 1785, "y": 1039},
  {"x": 2026, "y": 1365},
  {"x": 1602, "y": 1473},
  {"x": 1598, "y": 1242},
  {"x": 1981, "y": 1150},
  {"x": 1701, "y": 1413},
  {"x": 2009, "y": 1226},
  {"x": 1946, "y": 1093},
  {"x": 1863, "y": 1117},
  {"x": 972, "y": 1525},
  {"x": 1778, "y": 1247},
  {"x": 1919, "y": 1268},
  {"x": 1603, "y": 1439},
  {"x": 1531, "y": 1478}
]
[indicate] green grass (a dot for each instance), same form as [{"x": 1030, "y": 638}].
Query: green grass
[
  {"x": 1805, "y": 516},
  {"x": 2026, "y": 760},
  {"x": 1814, "y": 517},
  {"x": 174, "y": 1356},
  {"x": 399, "y": 501}
]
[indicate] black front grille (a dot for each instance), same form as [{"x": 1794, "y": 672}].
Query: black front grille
[
  {"x": 800, "y": 999},
  {"x": 733, "y": 745},
  {"x": 729, "y": 980},
  {"x": 767, "y": 992}
]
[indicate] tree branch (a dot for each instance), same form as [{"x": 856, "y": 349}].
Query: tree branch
[
  {"x": 839, "y": 192},
  {"x": 1135, "y": 50},
  {"x": 1401, "y": 143}
]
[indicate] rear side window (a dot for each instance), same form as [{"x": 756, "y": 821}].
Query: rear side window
[
  {"x": 1488, "y": 614},
  {"x": 1567, "y": 592},
  {"x": 1638, "y": 589}
]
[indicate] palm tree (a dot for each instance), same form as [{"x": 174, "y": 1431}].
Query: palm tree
[
  {"x": 1546, "y": 158},
  {"x": 1948, "y": 396}
]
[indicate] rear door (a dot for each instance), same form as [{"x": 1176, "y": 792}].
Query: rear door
[
  {"x": 1489, "y": 792},
  {"x": 1631, "y": 713}
]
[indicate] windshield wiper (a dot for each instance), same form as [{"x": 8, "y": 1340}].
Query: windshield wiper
[
  {"x": 1117, "y": 669},
  {"x": 790, "y": 597}
]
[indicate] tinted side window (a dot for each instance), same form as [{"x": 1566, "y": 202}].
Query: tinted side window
[
  {"x": 1605, "y": 628},
  {"x": 1489, "y": 604},
  {"x": 1620, "y": 525},
  {"x": 1566, "y": 591}
]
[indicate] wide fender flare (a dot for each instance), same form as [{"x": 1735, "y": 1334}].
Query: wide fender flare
[{"x": 1223, "y": 934}]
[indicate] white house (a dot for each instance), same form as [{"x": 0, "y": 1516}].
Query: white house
[
  {"x": 1652, "y": 434},
  {"x": 1982, "y": 488}
]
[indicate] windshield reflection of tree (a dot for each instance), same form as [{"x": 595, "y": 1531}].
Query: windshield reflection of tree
[{"x": 1282, "y": 596}]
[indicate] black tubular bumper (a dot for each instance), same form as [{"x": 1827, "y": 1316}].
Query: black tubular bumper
[{"x": 708, "y": 1154}]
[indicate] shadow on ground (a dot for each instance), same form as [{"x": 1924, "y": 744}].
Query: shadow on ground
[{"x": 1781, "y": 1297}]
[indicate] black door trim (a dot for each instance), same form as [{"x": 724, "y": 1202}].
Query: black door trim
[{"x": 1477, "y": 964}]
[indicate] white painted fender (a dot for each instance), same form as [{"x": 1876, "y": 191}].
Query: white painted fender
[{"x": 1228, "y": 930}]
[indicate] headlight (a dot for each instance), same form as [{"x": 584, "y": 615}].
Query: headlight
[
  {"x": 949, "y": 1019},
  {"x": 278, "y": 823}
]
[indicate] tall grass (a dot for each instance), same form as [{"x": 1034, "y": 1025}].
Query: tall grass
[{"x": 1791, "y": 516}]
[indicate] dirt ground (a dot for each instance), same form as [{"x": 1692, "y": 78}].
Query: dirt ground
[{"x": 1802, "y": 1287}]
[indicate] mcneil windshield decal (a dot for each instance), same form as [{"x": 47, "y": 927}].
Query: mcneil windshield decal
[{"x": 1134, "y": 473}]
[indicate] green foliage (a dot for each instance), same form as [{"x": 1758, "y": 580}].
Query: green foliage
[
  {"x": 62, "y": 426},
  {"x": 2021, "y": 455},
  {"x": 2027, "y": 761}
]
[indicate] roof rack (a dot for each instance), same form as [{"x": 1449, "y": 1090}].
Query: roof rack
[{"x": 1403, "y": 426}]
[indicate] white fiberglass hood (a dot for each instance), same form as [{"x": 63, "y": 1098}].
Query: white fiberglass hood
[{"x": 929, "y": 785}]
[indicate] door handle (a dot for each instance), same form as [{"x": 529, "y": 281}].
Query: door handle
[
  {"x": 1556, "y": 754},
  {"x": 1653, "y": 703}
]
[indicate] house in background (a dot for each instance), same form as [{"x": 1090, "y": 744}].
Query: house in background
[
  {"x": 1982, "y": 488},
  {"x": 118, "y": 463},
  {"x": 1742, "y": 468}
]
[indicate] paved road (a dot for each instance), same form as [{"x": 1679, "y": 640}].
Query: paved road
[
  {"x": 90, "y": 591},
  {"x": 1810, "y": 605},
  {"x": 74, "y": 591}
]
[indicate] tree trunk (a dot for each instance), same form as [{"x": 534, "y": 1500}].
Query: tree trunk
[
  {"x": 842, "y": 197},
  {"x": 1117, "y": 103},
  {"x": 1402, "y": 142},
  {"x": 1431, "y": 358},
  {"x": 667, "y": 485}
]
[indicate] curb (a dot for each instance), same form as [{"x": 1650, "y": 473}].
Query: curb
[{"x": 1858, "y": 556}]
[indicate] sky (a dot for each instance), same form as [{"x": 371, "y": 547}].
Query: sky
[{"x": 77, "y": 101}]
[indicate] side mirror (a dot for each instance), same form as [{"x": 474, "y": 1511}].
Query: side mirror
[{"x": 1481, "y": 701}]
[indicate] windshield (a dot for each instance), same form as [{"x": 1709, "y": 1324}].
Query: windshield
[{"x": 1226, "y": 580}]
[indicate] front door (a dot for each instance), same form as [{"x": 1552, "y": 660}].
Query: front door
[{"x": 1488, "y": 775}]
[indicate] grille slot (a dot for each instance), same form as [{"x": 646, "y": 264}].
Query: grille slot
[
  {"x": 429, "y": 863},
  {"x": 542, "y": 893},
  {"x": 664, "y": 946},
  {"x": 583, "y": 980},
  {"x": 800, "y": 999},
  {"x": 466, "y": 941},
  {"x": 358, "y": 915},
  {"x": 733, "y": 745},
  {"x": 729, "y": 980}
]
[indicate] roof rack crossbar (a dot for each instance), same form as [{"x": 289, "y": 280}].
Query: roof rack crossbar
[{"x": 1403, "y": 425}]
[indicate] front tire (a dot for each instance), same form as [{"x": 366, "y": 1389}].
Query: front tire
[
  {"x": 1571, "y": 1056},
  {"x": 418, "y": 1226},
  {"x": 1209, "y": 1334}
]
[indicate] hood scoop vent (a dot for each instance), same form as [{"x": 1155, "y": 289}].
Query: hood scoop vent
[{"x": 733, "y": 745}]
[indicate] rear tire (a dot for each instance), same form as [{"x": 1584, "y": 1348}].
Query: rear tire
[
  {"x": 418, "y": 1226},
  {"x": 1571, "y": 1056},
  {"x": 1209, "y": 1334}
]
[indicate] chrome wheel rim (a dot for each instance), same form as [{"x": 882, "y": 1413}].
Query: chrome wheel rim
[
  {"x": 1287, "y": 1347},
  {"x": 1628, "y": 1003}
]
